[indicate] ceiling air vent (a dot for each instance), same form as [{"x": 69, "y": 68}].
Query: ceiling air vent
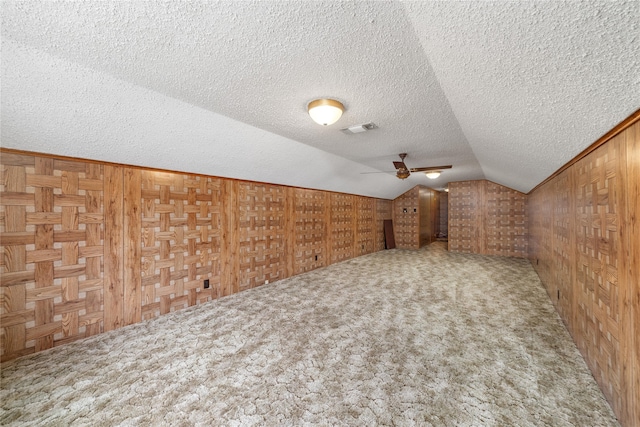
[{"x": 359, "y": 128}]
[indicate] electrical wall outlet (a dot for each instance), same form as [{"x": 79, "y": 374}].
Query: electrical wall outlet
[{"x": 266, "y": 282}]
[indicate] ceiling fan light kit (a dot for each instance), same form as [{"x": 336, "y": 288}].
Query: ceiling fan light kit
[
  {"x": 403, "y": 172},
  {"x": 325, "y": 111}
]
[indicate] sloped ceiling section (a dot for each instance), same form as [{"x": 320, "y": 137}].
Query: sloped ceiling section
[
  {"x": 507, "y": 91},
  {"x": 51, "y": 105},
  {"x": 532, "y": 84}
]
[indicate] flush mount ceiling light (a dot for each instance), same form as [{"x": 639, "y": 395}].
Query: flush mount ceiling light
[
  {"x": 433, "y": 175},
  {"x": 325, "y": 111}
]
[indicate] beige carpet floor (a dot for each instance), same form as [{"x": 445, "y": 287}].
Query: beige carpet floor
[{"x": 405, "y": 338}]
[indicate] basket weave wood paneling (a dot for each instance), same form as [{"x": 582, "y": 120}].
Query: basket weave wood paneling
[
  {"x": 487, "y": 218},
  {"x": 89, "y": 247},
  {"x": 52, "y": 244},
  {"x": 465, "y": 216},
  {"x": 262, "y": 234},
  {"x": 598, "y": 214},
  {"x": 384, "y": 210},
  {"x": 310, "y": 229},
  {"x": 585, "y": 244},
  {"x": 365, "y": 223},
  {"x": 180, "y": 242},
  {"x": 342, "y": 226},
  {"x": 505, "y": 221},
  {"x": 406, "y": 220}
]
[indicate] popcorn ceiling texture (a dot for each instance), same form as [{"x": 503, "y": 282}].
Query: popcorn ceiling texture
[
  {"x": 117, "y": 121},
  {"x": 507, "y": 91},
  {"x": 532, "y": 84}
]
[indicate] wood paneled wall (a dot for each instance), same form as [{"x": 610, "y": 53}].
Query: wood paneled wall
[
  {"x": 311, "y": 230},
  {"x": 365, "y": 226},
  {"x": 261, "y": 234},
  {"x": 342, "y": 227},
  {"x": 415, "y": 216},
  {"x": 178, "y": 240},
  {"x": 406, "y": 220},
  {"x": 487, "y": 218},
  {"x": 90, "y": 247},
  {"x": 52, "y": 235},
  {"x": 585, "y": 246},
  {"x": 465, "y": 208}
]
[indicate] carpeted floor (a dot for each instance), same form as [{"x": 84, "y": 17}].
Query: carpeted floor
[{"x": 393, "y": 338}]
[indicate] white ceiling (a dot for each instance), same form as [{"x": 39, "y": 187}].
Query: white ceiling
[{"x": 507, "y": 91}]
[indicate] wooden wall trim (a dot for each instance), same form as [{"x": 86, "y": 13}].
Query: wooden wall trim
[
  {"x": 626, "y": 123},
  {"x": 328, "y": 230},
  {"x": 113, "y": 248},
  {"x": 290, "y": 226},
  {"x": 44, "y": 274},
  {"x": 132, "y": 311},
  {"x": 632, "y": 268},
  {"x": 146, "y": 168},
  {"x": 15, "y": 261},
  {"x": 229, "y": 242}
]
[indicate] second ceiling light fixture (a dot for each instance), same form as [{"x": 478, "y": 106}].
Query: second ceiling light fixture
[{"x": 325, "y": 111}]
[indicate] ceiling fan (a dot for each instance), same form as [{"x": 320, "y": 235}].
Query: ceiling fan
[{"x": 403, "y": 172}]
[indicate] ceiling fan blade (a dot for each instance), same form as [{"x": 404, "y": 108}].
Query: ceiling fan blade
[
  {"x": 400, "y": 165},
  {"x": 364, "y": 173},
  {"x": 430, "y": 168}
]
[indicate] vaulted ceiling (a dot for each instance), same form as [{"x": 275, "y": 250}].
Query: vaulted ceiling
[{"x": 506, "y": 91}]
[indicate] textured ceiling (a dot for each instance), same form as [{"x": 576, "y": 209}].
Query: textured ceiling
[{"x": 507, "y": 91}]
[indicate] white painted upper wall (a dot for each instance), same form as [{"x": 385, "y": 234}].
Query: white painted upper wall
[
  {"x": 50, "y": 105},
  {"x": 507, "y": 91}
]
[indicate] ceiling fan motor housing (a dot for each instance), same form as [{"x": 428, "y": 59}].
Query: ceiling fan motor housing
[{"x": 403, "y": 174}]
